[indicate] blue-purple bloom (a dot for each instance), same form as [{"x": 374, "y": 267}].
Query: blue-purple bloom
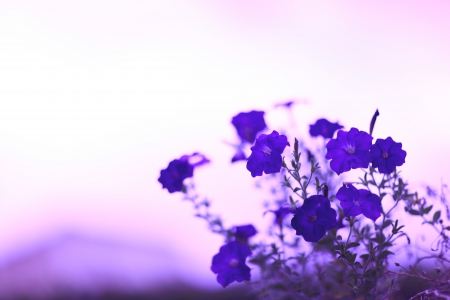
[
  {"x": 355, "y": 202},
  {"x": 243, "y": 233},
  {"x": 266, "y": 154},
  {"x": 280, "y": 214},
  {"x": 386, "y": 155},
  {"x": 177, "y": 171},
  {"x": 350, "y": 150},
  {"x": 229, "y": 263},
  {"x": 249, "y": 124},
  {"x": 324, "y": 128},
  {"x": 313, "y": 218}
]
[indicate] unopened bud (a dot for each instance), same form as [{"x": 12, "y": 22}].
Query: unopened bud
[{"x": 397, "y": 264}]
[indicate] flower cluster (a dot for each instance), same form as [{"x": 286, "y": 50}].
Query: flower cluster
[
  {"x": 354, "y": 149},
  {"x": 315, "y": 221}
]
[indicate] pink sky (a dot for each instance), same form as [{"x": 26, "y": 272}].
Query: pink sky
[{"x": 97, "y": 96}]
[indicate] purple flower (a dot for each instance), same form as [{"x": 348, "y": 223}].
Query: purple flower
[
  {"x": 386, "y": 155},
  {"x": 177, "y": 171},
  {"x": 243, "y": 233},
  {"x": 180, "y": 169},
  {"x": 229, "y": 263},
  {"x": 324, "y": 128},
  {"x": 280, "y": 214},
  {"x": 355, "y": 202},
  {"x": 313, "y": 218},
  {"x": 350, "y": 150},
  {"x": 249, "y": 124},
  {"x": 266, "y": 154}
]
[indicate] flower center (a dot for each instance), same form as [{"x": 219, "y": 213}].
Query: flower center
[
  {"x": 234, "y": 262},
  {"x": 267, "y": 151},
  {"x": 312, "y": 218},
  {"x": 385, "y": 155},
  {"x": 350, "y": 149},
  {"x": 356, "y": 202}
]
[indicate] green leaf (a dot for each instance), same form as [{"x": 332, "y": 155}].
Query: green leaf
[
  {"x": 364, "y": 256},
  {"x": 352, "y": 245},
  {"x": 414, "y": 212},
  {"x": 427, "y": 210},
  {"x": 386, "y": 224},
  {"x": 436, "y": 216},
  {"x": 384, "y": 254}
]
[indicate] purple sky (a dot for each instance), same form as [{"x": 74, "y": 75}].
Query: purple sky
[{"x": 97, "y": 96}]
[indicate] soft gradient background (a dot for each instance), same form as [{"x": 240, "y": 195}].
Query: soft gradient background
[{"x": 97, "y": 96}]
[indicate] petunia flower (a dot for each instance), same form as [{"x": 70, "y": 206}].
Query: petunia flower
[
  {"x": 266, "y": 154},
  {"x": 324, "y": 128},
  {"x": 172, "y": 177},
  {"x": 229, "y": 263},
  {"x": 249, "y": 124},
  {"x": 280, "y": 214},
  {"x": 386, "y": 155},
  {"x": 350, "y": 150},
  {"x": 355, "y": 202},
  {"x": 313, "y": 218},
  {"x": 179, "y": 169},
  {"x": 243, "y": 233}
]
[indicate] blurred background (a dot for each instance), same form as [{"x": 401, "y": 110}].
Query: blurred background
[{"x": 96, "y": 97}]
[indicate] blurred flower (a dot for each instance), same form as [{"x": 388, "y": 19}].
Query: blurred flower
[
  {"x": 240, "y": 155},
  {"x": 313, "y": 218},
  {"x": 355, "y": 202},
  {"x": 243, "y": 233},
  {"x": 350, "y": 150},
  {"x": 386, "y": 155},
  {"x": 229, "y": 263},
  {"x": 324, "y": 128},
  {"x": 266, "y": 154},
  {"x": 280, "y": 214},
  {"x": 249, "y": 124},
  {"x": 177, "y": 171}
]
